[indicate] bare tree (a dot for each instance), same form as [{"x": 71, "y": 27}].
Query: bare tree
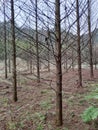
[
  {"x": 30, "y": 49},
  {"x": 58, "y": 64},
  {"x": 78, "y": 42},
  {"x": 37, "y": 44},
  {"x": 9, "y": 55},
  {"x": 48, "y": 45},
  {"x": 5, "y": 43},
  {"x": 14, "y": 52},
  {"x": 90, "y": 39},
  {"x": 72, "y": 59}
]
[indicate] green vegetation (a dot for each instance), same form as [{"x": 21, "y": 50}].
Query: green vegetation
[
  {"x": 39, "y": 116},
  {"x": 45, "y": 104},
  {"x": 40, "y": 127},
  {"x": 11, "y": 126},
  {"x": 91, "y": 113}
]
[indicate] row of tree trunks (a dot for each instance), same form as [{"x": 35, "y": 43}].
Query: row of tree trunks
[{"x": 58, "y": 57}]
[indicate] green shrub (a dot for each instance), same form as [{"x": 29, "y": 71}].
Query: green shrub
[{"x": 90, "y": 114}]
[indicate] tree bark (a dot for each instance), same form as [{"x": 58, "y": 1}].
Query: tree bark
[
  {"x": 90, "y": 39},
  {"x": 9, "y": 53},
  {"x": 37, "y": 45},
  {"x": 48, "y": 36},
  {"x": 66, "y": 64},
  {"x": 5, "y": 43},
  {"x": 78, "y": 46},
  {"x": 72, "y": 59},
  {"x": 14, "y": 52},
  {"x": 95, "y": 59},
  {"x": 58, "y": 64}
]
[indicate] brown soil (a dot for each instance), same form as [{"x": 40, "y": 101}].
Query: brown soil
[{"x": 35, "y": 109}]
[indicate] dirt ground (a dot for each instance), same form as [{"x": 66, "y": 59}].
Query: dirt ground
[{"x": 35, "y": 108}]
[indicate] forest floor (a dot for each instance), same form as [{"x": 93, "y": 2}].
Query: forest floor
[{"x": 35, "y": 108}]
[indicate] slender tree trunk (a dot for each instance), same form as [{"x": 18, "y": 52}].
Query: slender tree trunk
[
  {"x": 27, "y": 65},
  {"x": 30, "y": 58},
  {"x": 95, "y": 62},
  {"x": 14, "y": 52},
  {"x": 48, "y": 34},
  {"x": 58, "y": 64},
  {"x": 30, "y": 64},
  {"x": 48, "y": 37},
  {"x": 37, "y": 45},
  {"x": 9, "y": 62},
  {"x": 33, "y": 67},
  {"x": 5, "y": 43},
  {"x": 72, "y": 59},
  {"x": 78, "y": 41},
  {"x": 9, "y": 53},
  {"x": 90, "y": 39},
  {"x": 30, "y": 48},
  {"x": 95, "y": 57},
  {"x": 66, "y": 63}
]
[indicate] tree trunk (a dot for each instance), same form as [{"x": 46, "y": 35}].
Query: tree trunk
[
  {"x": 90, "y": 39},
  {"x": 78, "y": 47},
  {"x": 14, "y": 52},
  {"x": 95, "y": 57},
  {"x": 58, "y": 64},
  {"x": 31, "y": 65},
  {"x": 72, "y": 59},
  {"x": 9, "y": 62},
  {"x": 37, "y": 46},
  {"x": 5, "y": 43},
  {"x": 66, "y": 62},
  {"x": 30, "y": 59},
  {"x": 48, "y": 35},
  {"x": 9, "y": 53},
  {"x": 30, "y": 49}
]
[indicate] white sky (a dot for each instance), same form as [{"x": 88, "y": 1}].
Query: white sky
[{"x": 25, "y": 13}]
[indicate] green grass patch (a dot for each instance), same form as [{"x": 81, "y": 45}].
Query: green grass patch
[{"x": 46, "y": 105}]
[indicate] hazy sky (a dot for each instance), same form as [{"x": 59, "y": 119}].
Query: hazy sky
[{"x": 25, "y": 13}]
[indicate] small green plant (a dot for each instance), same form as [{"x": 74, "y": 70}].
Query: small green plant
[
  {"x": 65, "y": 128},
  {"x": 28, "y": 116},
  {"x": 39, "y": 120},
  {"x": 45, "y": 104},
  {"x": 90, "y": 114},
  {"x": 11, "y": 125},
  {"x": 44, "y": 91},
  {"x": 39, "y": 116},
  {"x": 23, "y": 81},
  {"x": 70, "y": 101},
  {"x": 21, "y": 124},
  {"x": 5, "y": 101},
  {"x": 40, "y": 127},
  {"x": 93, "y": 95},
  {"x": 82, "y": 101}
]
